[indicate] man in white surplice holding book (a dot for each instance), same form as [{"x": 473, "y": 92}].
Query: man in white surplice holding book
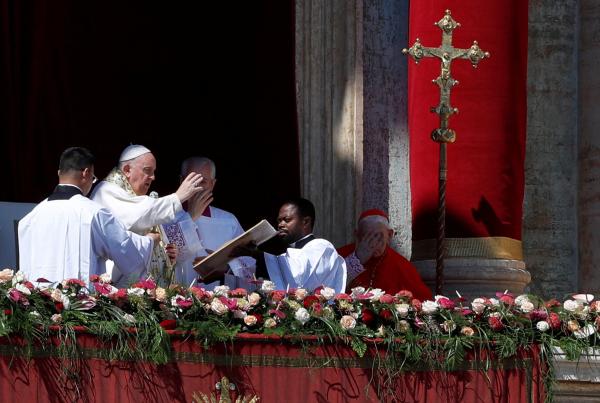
[{"x": 213, "y": 227}]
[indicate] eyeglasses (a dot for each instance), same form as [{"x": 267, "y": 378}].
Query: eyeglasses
[{"x": 94, "y": 179}]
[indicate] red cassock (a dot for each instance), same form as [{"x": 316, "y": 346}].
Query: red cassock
[{"x": 391, "y": 273}]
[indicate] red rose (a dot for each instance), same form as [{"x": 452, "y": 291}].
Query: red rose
[
  {"x": 238, "y": 293},
  {"x": 386, "y": 299},
  {"x": 507, "y": 299},
  {"x": 553, "y": 303},
  {"x": 343, "y": 297},
  {"x": 277, "y": 295},
  {"x": 59, "y": 307},
  {"x": 7, "y": 312},
  {"x": 94, "y": 278},
  {"x": 386, "y": 314},
  {"x": 554, "y": 320},
  {"x": 445, "y": 303},
  {"x": 495, "y": 323},
  {"x": 368, "y": 316},
  {"x": 310, "y": 300},
  {"x": 168, "y": 324}
]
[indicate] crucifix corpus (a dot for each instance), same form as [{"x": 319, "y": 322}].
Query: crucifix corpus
[{"x": 443, "y": 134}]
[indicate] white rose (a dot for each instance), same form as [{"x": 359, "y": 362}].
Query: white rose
[
  {"x": 521, "y": 299},
  {"x": 135, "y": 291},
  {"x": 429, "y": 307},
  {"x": 105, "y": 278},
  {"x": 377, "y": 293},
  {"x": 267, "y": 286},
  {"x": 239, "y": 314},
  {"x": 270, "y": 322},
  {"x": 478, "y": 305},
  {"x": 18, "y": 278},
  {"x": 218, "y": 307},
  {"x": 402, "y": 310},
  {"x": 253, "y": 299},
  {"x": 527, "y": 306},
  {"x": 300, "y": 294},
  {"x": 302, "y": 315},
  {"x": 328, "y": 293},
  {"x": 6, "y": 275},
  {"x": 250, "y": 320},
  {"x": 494, "y": 302},
  {"x": 570, "y": 305},
  {"x": 542, "y": 326},
  {"x": 24, "y": 290},
  {"x": 347, "y": 322},
  {"x": 221, "y": 290},
  {"x": 160, "y": 294},
  {"x": 56, "y": 318}
]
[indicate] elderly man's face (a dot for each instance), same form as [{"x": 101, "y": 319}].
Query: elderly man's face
[
  {"x": 140, "y": 173},
  {"x": 381, "y": 229},
  {"x": 208, "y": 181}
]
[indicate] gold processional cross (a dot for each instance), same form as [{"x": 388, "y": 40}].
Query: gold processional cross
[{"x": 443, "y": 134}]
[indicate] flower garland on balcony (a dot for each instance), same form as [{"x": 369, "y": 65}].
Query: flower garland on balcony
[{"x": 437, "y": 333}]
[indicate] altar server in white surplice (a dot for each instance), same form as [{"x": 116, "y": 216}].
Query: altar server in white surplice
[
  {"x": 214, "y": 227},
  {"x": 308, "y": 262},
  {"x": 69, "y": 236},
  {"x": 123, "y": 192}
]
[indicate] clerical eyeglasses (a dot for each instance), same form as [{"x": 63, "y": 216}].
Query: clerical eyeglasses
[{"x": 94, "y": 179}]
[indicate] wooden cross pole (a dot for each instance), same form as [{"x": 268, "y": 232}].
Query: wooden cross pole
[{"x": 443, "y": 134}]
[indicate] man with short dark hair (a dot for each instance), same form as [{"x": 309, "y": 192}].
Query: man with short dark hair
[
  {"x": 69, "y": 236},
  {"x": 308, "y": 262}
]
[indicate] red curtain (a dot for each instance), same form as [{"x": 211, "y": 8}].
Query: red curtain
[{"x": 484, "y": 194}]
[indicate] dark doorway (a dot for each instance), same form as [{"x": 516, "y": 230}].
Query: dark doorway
[{"x": 208, "y": 78}]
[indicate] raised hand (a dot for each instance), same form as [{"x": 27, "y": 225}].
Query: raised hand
[
  {"x": 368, "y": 244},
  {"x": 199, "y": 202},
  {"x": 189, "y": 187}
]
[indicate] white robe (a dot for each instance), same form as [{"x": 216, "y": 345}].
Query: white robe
[
  {"x": 138, "y": 213},
  {"x": 213, "y": 232},
  {"x": 316, "y": 264},
  {"x": 72, "y": 238}
]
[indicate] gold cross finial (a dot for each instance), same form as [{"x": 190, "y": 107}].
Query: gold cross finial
[{"x": 446, "y": 53}]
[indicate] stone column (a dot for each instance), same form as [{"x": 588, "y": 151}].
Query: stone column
[
  {"x": 352, "y": 100},
  {"x": 589, "y": 148},
  {"x": 329, "y": 98},
  {"x": 550, "y": 210}
]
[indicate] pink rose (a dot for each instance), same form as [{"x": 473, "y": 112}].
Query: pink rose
[{"x": 386, "y": 299}]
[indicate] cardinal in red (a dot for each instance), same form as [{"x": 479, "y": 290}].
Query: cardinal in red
[{"x": 372, "y": 263}]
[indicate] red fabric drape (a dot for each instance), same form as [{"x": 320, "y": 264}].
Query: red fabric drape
[
  {"x": 484, "y": 195},
  {"x": 274, "y": 370}
]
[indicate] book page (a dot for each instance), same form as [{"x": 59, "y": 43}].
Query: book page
[{"x": 216, "y": 261}]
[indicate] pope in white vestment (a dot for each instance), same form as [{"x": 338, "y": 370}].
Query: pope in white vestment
[{"x": 124, "y": 190}]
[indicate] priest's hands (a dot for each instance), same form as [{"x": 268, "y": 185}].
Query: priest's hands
[
  {"x": 189, "y": 187},
  {"x": 199, "y": 202},
  {"x": 154, "y": 236},
  {"x": 368, "y": 245},
  {"x": 172, "y": 252}
]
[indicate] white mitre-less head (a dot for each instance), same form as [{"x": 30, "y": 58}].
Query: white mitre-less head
[{"x": 133, "y": 151}]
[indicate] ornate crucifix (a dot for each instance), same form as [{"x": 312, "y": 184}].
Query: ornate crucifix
[{"x": 443, "y": 134}]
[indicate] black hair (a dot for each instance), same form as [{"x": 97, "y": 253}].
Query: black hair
[
  {"x": 75, "y": 159},
  {"x": 305, "y": 208}
]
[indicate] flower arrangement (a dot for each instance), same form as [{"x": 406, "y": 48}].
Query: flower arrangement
[{"x": 437, "y": 332}]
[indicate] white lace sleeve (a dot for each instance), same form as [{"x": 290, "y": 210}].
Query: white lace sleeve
[{"x": 354, "y": 267}]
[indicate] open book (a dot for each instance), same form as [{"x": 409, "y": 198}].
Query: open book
[{"x": 263, "y": 235}]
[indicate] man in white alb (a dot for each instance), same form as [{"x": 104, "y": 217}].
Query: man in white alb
[
  {"x": 69, "y": 236},
  {"x": 308, "y": 262},
  {"x": 214, "y": 227},
  {"x": 124, "y": 190}
]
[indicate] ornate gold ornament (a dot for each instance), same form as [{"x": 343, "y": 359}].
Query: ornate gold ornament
[
  {"x": 446, "y": 53},
  {"x": 225, "y": 387}
]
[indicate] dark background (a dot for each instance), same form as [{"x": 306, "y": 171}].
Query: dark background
[{"x": 197, "y": 78}]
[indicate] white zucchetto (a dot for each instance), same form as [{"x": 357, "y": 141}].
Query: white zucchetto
[{"x": 133, "y": 151}]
